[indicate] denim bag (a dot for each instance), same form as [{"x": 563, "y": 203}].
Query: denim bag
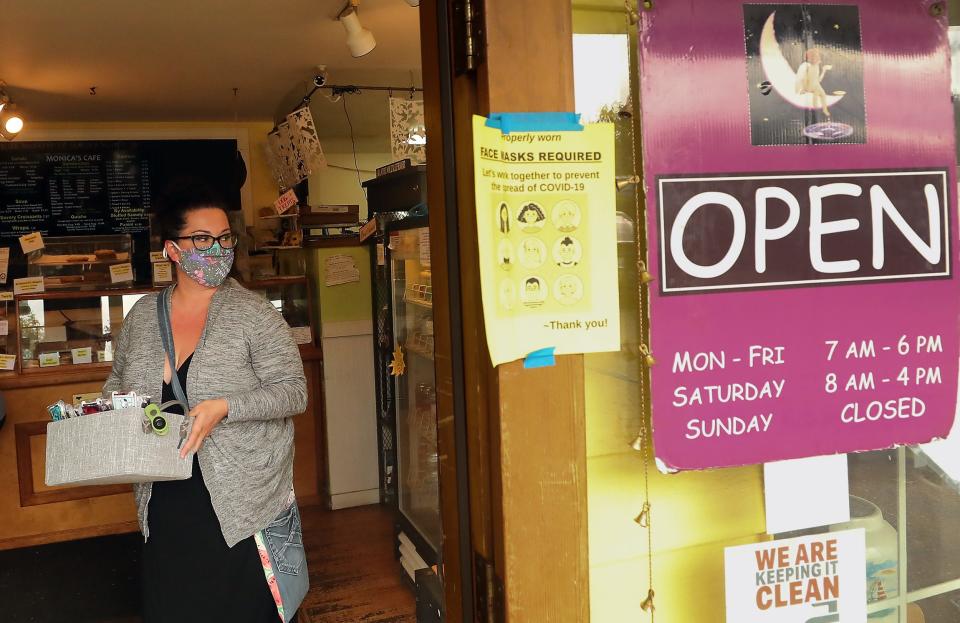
[{"x": 280, "y": 544}]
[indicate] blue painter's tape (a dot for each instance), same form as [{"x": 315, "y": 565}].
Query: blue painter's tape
[
  {"x": 508, "y": 122},
  {"x": 540, "y": 358}
]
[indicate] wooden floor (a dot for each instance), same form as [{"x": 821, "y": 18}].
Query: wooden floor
[{"x": 354, "y": 577}]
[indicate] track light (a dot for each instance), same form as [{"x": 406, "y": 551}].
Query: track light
[
  {"x": 360, "y": 41},
  {"x": 11, "y": 121}
]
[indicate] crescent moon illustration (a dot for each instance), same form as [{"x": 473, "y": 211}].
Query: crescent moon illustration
[{"x": 780, "y": 74}]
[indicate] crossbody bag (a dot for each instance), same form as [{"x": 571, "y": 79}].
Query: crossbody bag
[{"x": 280, "y": 544}]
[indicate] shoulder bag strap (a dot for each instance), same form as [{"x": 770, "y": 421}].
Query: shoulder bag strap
[{"x": 166, "y": 336}]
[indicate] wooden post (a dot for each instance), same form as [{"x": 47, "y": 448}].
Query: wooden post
[
  {"x": 541, "y": 527},
  {"x": 526, "y": 449}
]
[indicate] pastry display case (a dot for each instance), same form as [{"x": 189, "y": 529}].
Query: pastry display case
[
  {"x": 80, "y": 262},
  {"x": 291, "y": 297},
  {"x": 57, "y": 330}
]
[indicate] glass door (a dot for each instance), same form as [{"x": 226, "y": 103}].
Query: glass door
[{"x": 416, "y": 410}]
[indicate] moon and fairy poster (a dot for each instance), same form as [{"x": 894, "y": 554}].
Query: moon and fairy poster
[{"x": 805, "y": 73}]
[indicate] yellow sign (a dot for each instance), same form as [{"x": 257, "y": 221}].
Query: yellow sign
[
  {"x": 546, "y": 222},
  {"x": 31, "y": 242},
  {"x": 48, "y": 360},
  {"x": 6, "y": 296},
  {"x": 28, "y": 285},
  {"x": 157, "y": 256},
  {"x": 121, "y": 272},
  {"x": 8, "y": 362},
  {"x": 162, "y": 272},
  {"x": 82, "y": 355}
]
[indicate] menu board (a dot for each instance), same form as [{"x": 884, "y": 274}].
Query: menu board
[{"x": 73, "y": 188}]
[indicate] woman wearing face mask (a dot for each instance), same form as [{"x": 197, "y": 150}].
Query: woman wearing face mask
[{"x": 204, "y": 555}]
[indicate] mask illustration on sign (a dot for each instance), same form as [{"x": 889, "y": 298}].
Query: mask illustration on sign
[{"x": 209, "y": 267}]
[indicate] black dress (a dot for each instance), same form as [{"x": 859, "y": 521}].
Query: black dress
[{"x": 189, "y": 573}]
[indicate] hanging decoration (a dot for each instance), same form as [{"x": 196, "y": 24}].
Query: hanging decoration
[
  {"x": 284, "y": 174},
  {"x": 398, "y": 366},
  {"x": 291, "y": 153},
  {"x": 273, "y": 160},
  {"x": 408, "y": 134},
  {"x": 306, "y": 140}
]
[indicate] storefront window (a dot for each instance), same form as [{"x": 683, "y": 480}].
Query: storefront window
[{"x": 904, "y": 499}]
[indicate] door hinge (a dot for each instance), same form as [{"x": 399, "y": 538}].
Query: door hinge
[
  {"x": 468, "y": 38},
  {"x": 488, "y": 592}
]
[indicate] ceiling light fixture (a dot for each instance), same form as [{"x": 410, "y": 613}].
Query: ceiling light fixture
[
  {"x": 11, "y": 121},
  {"x": 360, "y": 41},
  {"x": 413, "y": 2}
]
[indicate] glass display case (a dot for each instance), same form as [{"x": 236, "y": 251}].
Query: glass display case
[
  {"x": 57, "y": 330},
  {"x": 416, "y": 408},
  {"x": 291, "y": 297},
  {"x": 81, "y": 262}
]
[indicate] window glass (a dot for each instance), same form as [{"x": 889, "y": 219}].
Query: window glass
[{"x": 907, "y": 500}]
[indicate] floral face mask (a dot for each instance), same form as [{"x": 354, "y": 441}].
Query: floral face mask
[{"x": 209, "y": 267}]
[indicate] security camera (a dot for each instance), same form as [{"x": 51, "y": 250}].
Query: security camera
[{"x": 321, "y": 76}]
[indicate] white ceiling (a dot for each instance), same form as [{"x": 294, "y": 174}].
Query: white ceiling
[{"x": 174, "y": 60}]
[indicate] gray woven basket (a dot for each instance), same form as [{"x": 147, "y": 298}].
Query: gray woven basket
[{"x": 111, "y": 447}]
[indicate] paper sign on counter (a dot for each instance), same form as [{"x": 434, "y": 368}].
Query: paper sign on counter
[
  {"x": 28, "y": 285},
  {"x": 49, "y": 360},
  {"x": 31, "y": 242},
  {"x": 806, "y": 493},
  {"x": 340, "y": 269},
  {"x": 157, "y": 256},
  {"x": 162, "y": 272},
  {"x": 6, "y": 296},
  {"x": 82, "y": 355},
  {"x": 369, "y": 228},
  {"x": 8, "y": 362},
  {"x": 120, "y": 273},
  {"x": 4, "y": 263},
  {"x": 285, "y": 201}
]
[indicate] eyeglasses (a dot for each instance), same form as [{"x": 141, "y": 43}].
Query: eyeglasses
[{"x": 202, "y": 242}]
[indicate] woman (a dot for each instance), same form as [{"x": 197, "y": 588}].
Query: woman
[
  {"x": 243, "y": 378},
  {"x": 810, "y": 75}
]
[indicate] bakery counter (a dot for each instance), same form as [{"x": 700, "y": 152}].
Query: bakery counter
[{"x": 32, "y": 513}]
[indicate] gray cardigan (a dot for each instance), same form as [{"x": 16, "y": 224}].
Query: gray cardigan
[{"x": 246, "y": 354}]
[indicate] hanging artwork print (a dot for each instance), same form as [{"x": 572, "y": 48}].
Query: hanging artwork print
[
  {"x": 290, "y": 153},
  {"x": 408, "y": 134},
  {"x": 305, "y": 138},
  {"x": 805, "y": 74},
  {"x": 281, "y": 152},
  {"x": 273, "y": 159}
]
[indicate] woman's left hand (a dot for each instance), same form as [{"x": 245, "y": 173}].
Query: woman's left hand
[{"x": 206, "y": 416}]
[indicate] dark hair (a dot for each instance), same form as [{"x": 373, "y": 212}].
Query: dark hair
[
  {"x": 531, "y": 207},
  {"x": 179, "y": 198},
  {"x": 533, "y": 281}
]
